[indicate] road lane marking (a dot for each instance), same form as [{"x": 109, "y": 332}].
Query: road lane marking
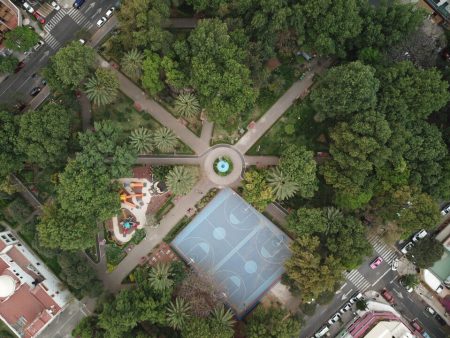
[{"x": 384, "y": 274}]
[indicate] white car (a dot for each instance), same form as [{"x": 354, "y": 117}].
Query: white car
[
  {"x": 421, "y": 234},
  {"x": 55, "y": 5},
  {"x": 407, "y": 247},
  {"x": 445, "y": 210},
  {"x": 82, "y": 41},
  {"x": 394, "y": 264},
  {"x": 334, "y": 319},
  {"x": 110, "y": 12},
  {"x": 38, "y": 45},
  {"x": 101, "y": 22},
  {"x": 345, "y": 308},
  {"x": 356, "y": 297},
  {"x": 28, "y": 7},
  {"x": 430, "y": 310}
]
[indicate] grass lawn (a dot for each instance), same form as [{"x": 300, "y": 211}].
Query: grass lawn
[
  {"x": 17, "y": 211},
  {"x": 127, "y": 118},
  {"x": 5, "y": 332},
  {"x": 165, "y": 208},
  {"x": 114, "y": 254},
  {"x": 306, "y": 131}
]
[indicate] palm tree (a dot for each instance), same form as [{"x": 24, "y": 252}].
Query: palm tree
[
  {"x": 181, "y": 180},
  {"x": 282, "y": 186},
  {"x": 222, "y": 317},
  {"x": 178, "y": 313},
  {"x": 159, "y": 277},
  {"x": 165, "y": 140},
  {"x": 142, "y": 140},
  {"x": 102, "y": 88},
  {"x": 132, "y": 63},
  {"x": 186, "y": 105},
  {"x": 332, "y": 213}
]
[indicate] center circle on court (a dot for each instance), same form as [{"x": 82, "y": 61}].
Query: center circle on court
[
  {"x": 250, "y": 267},
  {"x": 219, "y": 233}
]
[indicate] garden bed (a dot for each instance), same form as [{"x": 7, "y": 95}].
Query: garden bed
[
  {"x": 17, "y": 212},
  {"x": 165, "y": 208}
]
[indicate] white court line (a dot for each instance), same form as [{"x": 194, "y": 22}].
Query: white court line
[{"x": 384, "y": 274}]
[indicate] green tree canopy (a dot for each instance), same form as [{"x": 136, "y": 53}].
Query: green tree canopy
[
  {"x": 88, "y": 328},
  {"x": 273, "y": 322},
  {"x": 307, "y": 221},
  {"x": 151, "y": 77},
  {"x": 44, "y": 135},
  {"x": 298, "y": 164},
  {"x": 10, "y": 156},
  {"x": 312, "y": 273},
  {"x": 181, "y": 179},
  {"x": 21, "y": 39},
  {"x": 73, "y": 63},
  {"x": 426, "y": 252},
  {"x": 218, "y": 73},
  {"x": 256, "y": 190},
  {"x": 345, "y": 90},
  {"x": 8, "y": 64},
  {"x": 132, "y": 63},
  {"x": 282, "y": 185},
  {"x": 103, "y": 87}
]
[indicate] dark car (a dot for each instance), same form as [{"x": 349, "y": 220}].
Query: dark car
[
  {"x": 35, "y": 91},
  {"x": 440, "y": 320},
  {"x": 78, "y": 3},
  {"x": 19, "y": 66}
]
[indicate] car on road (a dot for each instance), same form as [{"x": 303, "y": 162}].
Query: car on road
[
  {"x": 388, "y": 296},
  {"x": 35, "y": 91},
  {"x": 440, "y": 320},
  {"x": 78, "y": 3},
  {"x": 430, "y": 310},
  {"x": 38, "y": 45},
  {"x": 407, "y": 247},
  {"x": 357, "y": 296},
  {"x": 394, "y": 264},
  {"x": 19, "y": 66},
  {"x": 419, "y": 235},
  {"x": 55, "y": 5},
  {"x": 345, "y": 308},
  {"x": 39, "y": 17},
  {"x": 376, "y": 263},
  {"x": 445, "y": 210},
  {"x": 110, "y": 12},
  {"x": 334, "y": 319},
  {"x": 101, "y": 21},
  {"x": 28, "y": 7}
]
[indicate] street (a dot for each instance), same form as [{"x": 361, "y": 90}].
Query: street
[
  {"x": 62, "y": 26},
  {"x": 410, "y": 305}
]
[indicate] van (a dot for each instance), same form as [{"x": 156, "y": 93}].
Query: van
[
  {"x": 322, "y": 331},
  {"x": 78, "y": 3}
]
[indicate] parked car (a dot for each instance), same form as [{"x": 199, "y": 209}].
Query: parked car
[
  {"x": 440, "y": 320},
  {"x": 407, "y": 247},
  {"x": 388, "y": 296},
  {"x": 322, "y": 331},
  {"x": 55, "y": 5},
  {"x": 345, "y": 308},
  {"x": 101, "y": 21},
  {"x": 417, "y": 326},
  {"x": 78, "y": 3},
  {"x": 430, "y": 310},
  {"x": 28, "y": 7},
  {"x": 19, "y": 66},
  {"x": 334, "y": 319},
  {"x": 445, "y": 210},
  {"x": 35, "y": 91},
  {"x": 439, "y": 289},
  {"x": 110, "y": 12},
  {"x": 376, "y": 263},
  {"x": 38, "y": 45},
  {"x": 419, "y": 235},
  {"x": 82, "y": 41},
  {"x": 39, "y": 17},
  {"x": 357, "y": 296}
]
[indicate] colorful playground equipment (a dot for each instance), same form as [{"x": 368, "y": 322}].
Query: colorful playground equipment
[
  {"x": 128, "y": 224},
  {"x": 127, "y": 198}
]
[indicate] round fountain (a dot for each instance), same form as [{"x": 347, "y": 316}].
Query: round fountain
[{"x": 222, "y": 166}]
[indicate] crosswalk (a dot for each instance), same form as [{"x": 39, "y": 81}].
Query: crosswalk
[
  {"x": 77, "y": 16},
  {"x": 55, "y": 20},
  {"x": 51, "y": 41},
  {"x": 388, "y": 254},
  {"x": 355, "y": 277}
]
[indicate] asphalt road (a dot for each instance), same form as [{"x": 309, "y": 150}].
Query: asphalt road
[
  {"x": 364, "y": 278},
  {"x": 62, "y": 26}
]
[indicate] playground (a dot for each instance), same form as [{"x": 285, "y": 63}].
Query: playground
[{"x": 135, "y": 195}]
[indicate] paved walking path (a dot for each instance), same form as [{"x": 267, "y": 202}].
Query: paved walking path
[
  {"x": 181, "y": 23},
  {"x": 156, "y": 110},
  {"x": 26, "y": 193},
  {"x": 298, "y": 89},
  {"x": 261, "y": 161},
  {"x": 207, "y": 131},
  {"x": 86, "y": 113},
  {"x": 169, "y": 160}
]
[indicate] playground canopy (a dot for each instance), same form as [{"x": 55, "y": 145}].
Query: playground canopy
[{"x": 242, "y": 250}]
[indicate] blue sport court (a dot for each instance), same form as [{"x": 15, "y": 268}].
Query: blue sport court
[{"x": 242, "y": 250}]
